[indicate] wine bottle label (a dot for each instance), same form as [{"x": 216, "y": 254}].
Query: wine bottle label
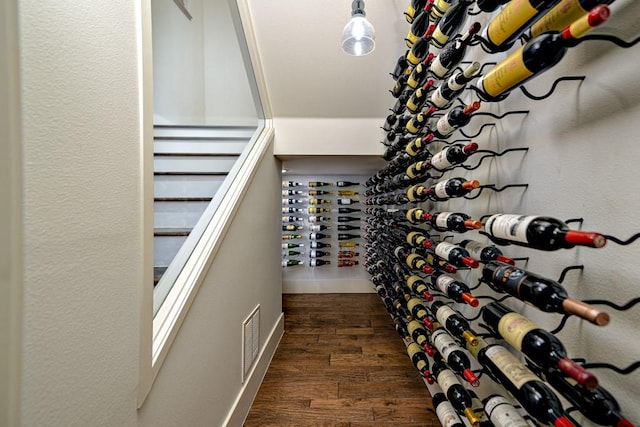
[
  {"x": 510, "y": 19},
  {"x": 447, "y": 379},
  {"x": 443, "y": 282},
  {"x": 444, "y": 313},
  {"x": 559, "y": 17},
  {"x": 474, "y": 248},
  {"x": 447, "y": 415},
  {"x": 415, "y": 261},
  {"x": 412, "y": 59},
  {"x": 442, "y": 218},
  {"x": 506, "y": 75},
  {"x": 443, "y": 249},
  {"x": 344, "y": 201},
  {"x": 437, "y": 99},
  {"x": 439, "y": 8},
  {"x": 414, "y": 326},
  {"x": 411, "y": 305},
  {"x": 441, "y": 190},
  {"x": 510, "y": 366},
  {"x": 437, "y": 68},
  {"x": 313, "y": 236},
  {"x": 513, "y": 327},
  {"x": 415, "y": 238},
  {"x": 438, "y": 38},
  {"x": 413, "y": 195},
  {"x": 503, "y": 414},
  {"x": 443, "y": 126},
  {"x": 440, "y": 161},
  {"x": 444, "y": 343},
  {"x": 509, "y": 227}
]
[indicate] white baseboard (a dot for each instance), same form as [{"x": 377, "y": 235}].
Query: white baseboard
[{"x": 243, "y": 402}]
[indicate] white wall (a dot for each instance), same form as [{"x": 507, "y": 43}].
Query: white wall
[{"x": 83, "y": 257}]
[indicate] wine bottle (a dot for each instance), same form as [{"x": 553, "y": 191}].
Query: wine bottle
[
  {"x": 452, "y": 155},
  {"x": 419, "y": 26},
  {"x": 291, "y": 262},
  {"x": 456, "y": 394},
  {"x": 319, "y": 192},
  {"x": 318, "y": 218},
  {"x": 449, "y": 90},
  {"x": 398, "y": 89},
  {"x": 502, "y": 413},
  {"x": 454, "y": 289},
  {"x": 416, "y": 146},
  {"x": 419, "y": 287},
  {"x": 314, "y": 244},
  {"x": 292, "y": 253},
  {"x": 317, "y": 210},
  {"x": 455, "y": 254},
  {"x": 313, "y": 184},
  {"x": 439, "y": 8},
  {"x": 346, "y": 183},
  {"x": 417, "y": 99},
  {"x": 444, "y": 190},
  {"x": 419, "y": 72},
  {"x": 543, "y": 293},
  {"x": 417, "y": 123},
  {"x": 348, "y": 244},
  {"x": 415, "y": 6},
  {"x": 418, "y": 334},
  {"x": 315, "y": 262},
  {"x": 453, "y": 53},
  {"x": 348, "y": 210},
  {"x": 347, "y": 254},
  {"x": 290, "y": 210},
  {"x": 347, "y": 262},
  {"x": 291, "y": 236},
  {"x": 539, "y": 232},
  {"x": 319, "y": 227},
  {"x": 420, "y": 48},
  {"x": 452, "y": 221},
  {"x": 562, "y": 15},
  {"x": 478, "y": 409},
  {"x": 348, "y": 218},
  {"x": 512, "y": 21},
  {"x": 485, "y": 253},
  {"x": 540, "y": 346},
  {"x": 453, "y": 322},
  {"x": 291, "y": 184},
  {"x": 533, "y": 394},
  {"x": 598, "y": 405},
  {"x": 318, "y": 236},
  {"x": 390, "y": 120},
  {"x": 318, "y": 254},
  {"x": 291, "y": 201},
  {"x": 292, "y": 245},
  {"x": 347, "y": 227},
  {"x": 347, "y": 193},
  {"x": 450, "y": 23},
  {"x": 445, "y": 412},
  {"x": 536, "y": 56},
  {"x": 346, "y": 236},
  {"x": 290, "y": 218},
  {"x": 292, "y": 227},
  {"x": 490, "y": 5},
  {"x": 419, "y": 359},
  {"x": 419, "y": 311},
  {"x": 316, "y": 201},
  {"x": 346, "y": 201},
  {"x": 418, "y": 239},
  {"x": 291, "y": 192},
  {"x": 455, "y": 118},
  {"x": 453, "y": 355}
]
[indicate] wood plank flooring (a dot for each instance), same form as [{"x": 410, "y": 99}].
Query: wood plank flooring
[{"x": 340, "y": 363}]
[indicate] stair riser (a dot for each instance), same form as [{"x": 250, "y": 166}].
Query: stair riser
[
  {"x": 177, "y": 214},
  {"x": 187, "y": 186},
  {"x": 194, "y": 164}
]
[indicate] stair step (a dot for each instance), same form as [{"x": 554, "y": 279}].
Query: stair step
[
  {"x": 178, "y": 214},
  {"x": 171, "y": 232},
  {"x": 182, "y": 199},
  {"x": 203, "y": 132},
  {"x": 223, "y": 146},
  {"x": 186, "y": 154},
  {"x": 190, "y": 173},
  {"x": 187, "y": 185},
  {"x": 194, "y": 164}
]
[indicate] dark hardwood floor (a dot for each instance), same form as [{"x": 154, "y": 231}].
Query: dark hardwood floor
[{"x": 340, "y": 363}]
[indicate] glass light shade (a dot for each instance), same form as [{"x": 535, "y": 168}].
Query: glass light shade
[{"x": 358, "y": 36}]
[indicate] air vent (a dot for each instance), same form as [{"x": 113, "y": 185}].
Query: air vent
[{"x": 250, "y": 341}]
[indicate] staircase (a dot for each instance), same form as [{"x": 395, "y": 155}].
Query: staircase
[{"x": 190, "y": 165}]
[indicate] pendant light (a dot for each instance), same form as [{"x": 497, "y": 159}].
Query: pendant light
[{"x": 358, "y": 34}]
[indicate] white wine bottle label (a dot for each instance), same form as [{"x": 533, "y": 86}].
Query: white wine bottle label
[
  {"x": 503, "y": 414},
  {"x": 437, "y": 68},
  {"x": 513, "y": 327},
  {"x": 447, "y": 379},
  {"x": 443, "y": 126},
  {"x": 440, "y": 161},
  {"x": 510, "y": 366},
  {"x": 444, "y": 313},
  {"x": 441, "y": 189},
  {"x": 313, "y": 236},
  {"x": 475, "y": 249},
  {"x": 443, "y": 249},
  {"x": 447, "y": 415},
  {"x": 442, "y": 218},
  {"x": 509, "y": 20},
  {"x": 509, "y": 227},
  {"x": 344, "y": 201},
  {"x": 316, "y": 228},
  {"x": 444, "y": 343},
  {"x": 438, "y": 100},
  {"x": 443, "y": 282},
  {"x": 312, "y": 262}
]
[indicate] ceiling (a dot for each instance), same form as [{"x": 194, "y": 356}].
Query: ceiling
[{"x": 306, "y": 72}]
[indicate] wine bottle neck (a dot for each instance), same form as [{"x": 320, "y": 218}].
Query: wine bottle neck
[{"x": 579, "y": 28}]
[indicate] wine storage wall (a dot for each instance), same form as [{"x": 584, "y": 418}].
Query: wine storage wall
[
  {"x": 332, "y": 277},
  {"x": 582, "y": 162}
]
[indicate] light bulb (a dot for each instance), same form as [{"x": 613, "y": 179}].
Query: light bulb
[{"x": 358, "y": 35}]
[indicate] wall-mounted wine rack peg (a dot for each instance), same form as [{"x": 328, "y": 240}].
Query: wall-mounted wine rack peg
[
  {"x": 483, "y": 96},
  {"x": 490, "y": 154},
  {"x": 493, "y": 188}
]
